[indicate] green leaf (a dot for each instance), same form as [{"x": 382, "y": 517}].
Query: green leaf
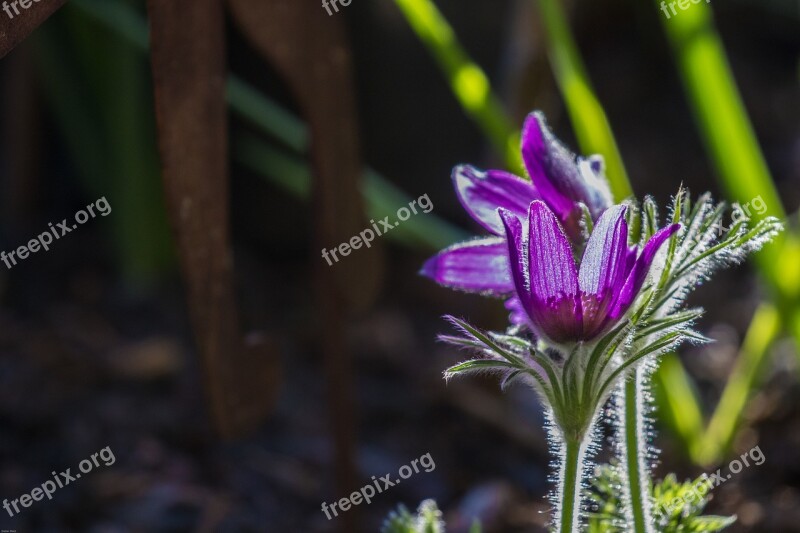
[
  {"x": 490, "y": 344},
  {"x": 677, "y": 506},
  {"x": 399, "y": 521},
  {"x": 427, "y": 520},
  {"x": 474, "y": 365}
]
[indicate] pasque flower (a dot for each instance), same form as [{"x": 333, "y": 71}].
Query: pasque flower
[
  {"x": 600, "y": 308},
  {"x": 569, "y": 303},
  {"x": 557, "y": 177}
]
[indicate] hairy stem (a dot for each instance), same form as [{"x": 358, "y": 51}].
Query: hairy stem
[
  {"x": 570, "y": 489},
  {"x": 634, "y": 455}
]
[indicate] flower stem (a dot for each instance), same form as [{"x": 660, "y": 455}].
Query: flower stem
[
  {"x": 634, "y": 451},
  {"x": 572, "y": 472}
]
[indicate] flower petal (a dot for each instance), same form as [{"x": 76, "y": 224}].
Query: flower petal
[
  {"x": 603, "y": 268},
  {"x": 555, "y": 305},
  {"x": 638, "y": 274},
  {"x": 481, "y": 193},
  {"x": 474, "y": 266},
  {"x": 562, "y": 179},
  {"x": 517, "y": 315},
  {"x": 517, "y": 259},
  {"x": 597, "y": 193},
  {"x": 549, "y": 164}
]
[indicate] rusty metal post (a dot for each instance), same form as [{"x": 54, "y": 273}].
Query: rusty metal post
[
  {"x": 310, "y": 51},
  {"x": 189, "y": 71}
]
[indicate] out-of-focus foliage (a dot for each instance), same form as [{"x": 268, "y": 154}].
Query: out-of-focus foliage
[
  {"x": 285, "y": 165},
  {"x": 679, "y": 506},
  {"x": 468, "y": 81},
  {"x": 97, "y": 94},
  {"x": 586, "y": 113},
  {"x": 428, "y": 519}
]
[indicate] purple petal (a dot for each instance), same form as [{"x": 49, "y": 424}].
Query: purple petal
[
  {"x": 555, "y": 306},
  {"x": 630, "y": 259},
  {"x": 474, "y": 266},
  {"x": 596, "y": 191},
  {"x": 562, "y": 179},
  {"x": 603, "y": 268},
  {"x": 550, "y": 165},
  {"x": 517, "y": 258},
  {"x": 596, "y": 164},
  {"x": 518, "y": 316},
  {"x": 638, "y": 274},
  {"x": 481, "y": 193}
]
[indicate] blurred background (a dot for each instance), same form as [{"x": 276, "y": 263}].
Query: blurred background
[{"x": 97, "y": 342}]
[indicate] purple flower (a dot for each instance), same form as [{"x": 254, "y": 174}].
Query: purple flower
[
  {"x": 565, "y": 303},
  {"x": 558, "y": 178},
  {"x": 563, "y": 180}
]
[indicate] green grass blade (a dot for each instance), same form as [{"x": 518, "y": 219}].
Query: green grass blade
[
  {"x": 293, "y": 175},
  {"x": 97, "y": 97},
  {"x": 467, "y": 80},
  {"x": 267, "y": 115},
  {"x": 764, "y": 329},
  {"x": 678, "y": 402},
  {"x": 586, "y": 113},
  {"x": 726, "y": 130}
]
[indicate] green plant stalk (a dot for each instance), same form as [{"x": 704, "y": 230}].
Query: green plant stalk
[
  {"x": 569, "y": 514},
  {"x": 467, "y": 80},
  {"x": 707, "y": 446},
  {"x": 635, "y": 455}
]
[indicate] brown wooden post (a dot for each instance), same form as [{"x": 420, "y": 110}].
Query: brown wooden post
[
  {"x": 310, "y": 50},
  {"x": 189, "y": 72}
]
